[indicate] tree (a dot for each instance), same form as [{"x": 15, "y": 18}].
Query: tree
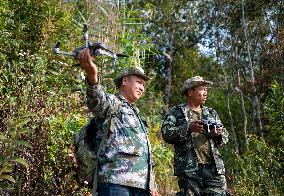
[{"x": 174, "y": 27}]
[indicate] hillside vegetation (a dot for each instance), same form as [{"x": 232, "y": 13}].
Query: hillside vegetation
[{"x": 236, "y": 44}]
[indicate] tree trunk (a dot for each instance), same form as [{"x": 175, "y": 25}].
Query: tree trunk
[
  {"x": 252, "y": 79},
  {"x": 244, "y": 114},
  {"x": 227, "y": 94},
  {"x": 258, "y": 118},
  {"x": 252, "y": 126},
  {"x": 280, "y": 34},
  {"x": 232, "y": 123},
  {"x": 168, "y": 82}
]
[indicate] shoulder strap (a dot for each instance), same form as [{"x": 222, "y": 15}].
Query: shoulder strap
[
  {"x": 113, "y": 114},
  {"x": 109, "y": 130}
]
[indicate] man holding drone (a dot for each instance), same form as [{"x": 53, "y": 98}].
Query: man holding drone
[{"x": 125, "y": 163}]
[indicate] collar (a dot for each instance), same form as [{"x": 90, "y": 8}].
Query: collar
[
  {"x": 124, "y": 100},
  {"x": 121, "y": 98}
]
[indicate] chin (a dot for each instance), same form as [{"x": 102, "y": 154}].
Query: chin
[{"x": 138, "y": 96}]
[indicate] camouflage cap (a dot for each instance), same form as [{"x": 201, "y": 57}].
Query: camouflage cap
[
  {"x": 192, "y": 82},
  {"x": 137, "y": 71}
]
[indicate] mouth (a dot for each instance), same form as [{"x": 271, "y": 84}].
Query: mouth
[{"x": 139, "y": 93}]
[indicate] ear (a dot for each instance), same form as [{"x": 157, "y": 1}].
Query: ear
[
  {"x": 124, "y": 81},
  {"x": 189, "y": 93}
]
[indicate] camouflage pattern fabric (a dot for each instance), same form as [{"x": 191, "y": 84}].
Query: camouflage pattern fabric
[
  {"x": 203, "y": 181},
  {"x": 175, "y": 131},
  {"x": 126, "y": 158}
]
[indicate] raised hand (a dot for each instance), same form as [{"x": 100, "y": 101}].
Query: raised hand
[{"x": 86, "y": 62}]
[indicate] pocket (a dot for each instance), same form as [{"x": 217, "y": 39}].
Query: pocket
[{"x": 130, "y": 151}]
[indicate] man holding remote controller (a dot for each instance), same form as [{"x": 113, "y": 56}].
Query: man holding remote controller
[{"x": 196, "y": 131}]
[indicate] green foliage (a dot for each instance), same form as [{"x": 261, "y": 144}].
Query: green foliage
[
  {"x": 275, "y": 115},
  {"x": 42, "y": 104},
  {"x": 21, "y": 110},
  {"x": 27, "y": 86},
  {"x": 258, "y": 171},
  {"x": 163, "y": 162},
  {"x": 34, "y": 80},
  {"x": 59, "y": 161},
  {"x": 13, "y": 143}
]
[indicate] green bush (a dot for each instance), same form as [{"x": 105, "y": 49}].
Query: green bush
[
  {"x": 163, "y": 163},
  {"x": 257, "y": 172},
  {"x": 59, "y": 161},
  {"x": 274, "y": 111}
]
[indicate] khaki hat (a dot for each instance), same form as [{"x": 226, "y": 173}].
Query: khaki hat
[
  {"x": 192, "y": 82},
  {"x": 137, "y": 71}
]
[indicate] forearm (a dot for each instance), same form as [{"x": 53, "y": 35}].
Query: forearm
[
  {"x": 175, "y": 134},
  {"x": 98, "y": 100},
  {"x": 92, "y": 79}
]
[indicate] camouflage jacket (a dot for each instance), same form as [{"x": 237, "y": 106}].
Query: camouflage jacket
[
  {"x": 175, "y": 131},
  {"x": 126, "y": 158}
]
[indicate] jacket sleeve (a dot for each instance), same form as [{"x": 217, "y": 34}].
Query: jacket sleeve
[
  {"x": 224, "y": 137},
  {"x": 153, "y": 184},
  {"x": 98, "y": 101},
  {"x": 175, "y": 128}
]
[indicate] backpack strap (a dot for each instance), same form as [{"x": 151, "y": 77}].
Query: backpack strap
[{"x": 109, "y": 130}]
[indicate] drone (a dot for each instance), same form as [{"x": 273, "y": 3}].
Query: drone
[{"x": 95, "y": 49}]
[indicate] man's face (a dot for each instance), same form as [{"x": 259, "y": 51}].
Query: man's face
[
  {"x": 134, "y": 87},
  {"x": 198, "y": 94}
]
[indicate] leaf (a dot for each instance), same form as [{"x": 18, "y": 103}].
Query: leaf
[
  {"x": 28, "y": 114},
  {"x": 2, "y": 137},
  {"x": 77, "y": 23},
  {"x": 7, "y": 170},
  {"x": 21, "y": 161},
  {"x": 22, "y": 122},
  {"x": 6, "y": 186},
  {"x": 260, "y": 147},
  {"x": 53, "y": 72},
  {"x": 2, "y": 158},
  {"x": 24, "y": 143},
  {"x": 83, "y": 18},
  {"x": 103, "y": 10},
  {"x": 24, "y": 130},
  {"x": 7, "y": 177}
]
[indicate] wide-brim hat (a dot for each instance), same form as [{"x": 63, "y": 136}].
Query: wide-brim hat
[
  {"x": 193, "y": 82},
  {"x": 137, "y": 71}
]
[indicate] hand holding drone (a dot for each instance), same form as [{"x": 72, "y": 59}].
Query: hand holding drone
[{"x": 96, "y": 49}]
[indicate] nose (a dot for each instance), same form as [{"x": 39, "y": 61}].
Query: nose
[{"x": 142, "y": 88}]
